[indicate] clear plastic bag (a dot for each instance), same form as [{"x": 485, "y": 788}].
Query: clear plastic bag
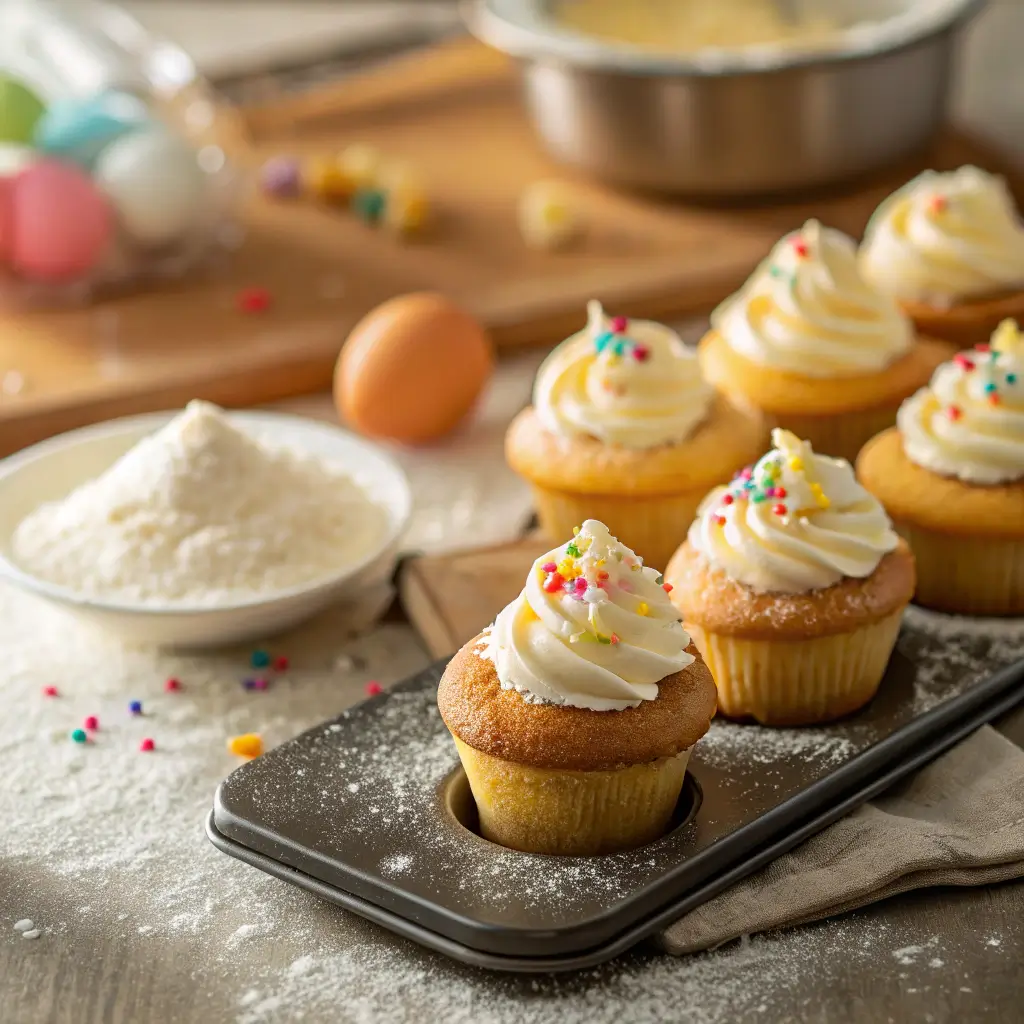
[{"x": 114, "y": 166}]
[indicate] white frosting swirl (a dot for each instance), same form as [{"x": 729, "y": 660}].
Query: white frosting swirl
[
  {"x": 626, "y": 382},
  {"x": 794, "y": 522},
  {"x": 593, "y": 628},
  {"x": 946, "y": 237},
  {"x": 807, "y": 310},
  {"x": 969, "y": 421}
]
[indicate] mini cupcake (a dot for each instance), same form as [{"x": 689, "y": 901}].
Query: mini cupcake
[
  {"x": 575, "y": 713},
  {"x": 951, "y": 475},
  {"x": 808, "y": 342},
  {"x": 950, "y": 248},
  {"x": 792, "y": 584},
  {"x": 624, "y": 428}
]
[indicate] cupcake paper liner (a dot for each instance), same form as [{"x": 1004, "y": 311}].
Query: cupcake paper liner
[
  {"x": 967, "y": 575},
  {"x": 542, "y": 810},
  {"x": 653, "y": 527},
  {"x": 798, "y": 682}
]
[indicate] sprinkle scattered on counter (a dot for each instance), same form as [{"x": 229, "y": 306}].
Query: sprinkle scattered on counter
[
  {"x": 172, "y": 685},
  {"x": 280, "y": 664},
  {"x": 147, "y": 745},
  {"x": 79, "y": 736},
  {"x": 374, "y": 190},
  {"x": 50, "y": 691},
  {"x": 373, "y": 688},
  {"x": 27, "y": 928},
  {"x": 135, "y": 707},
  {"x": 548, "y": 216},
  {"x": 92, "y": 723},
  {"x": 259, "y": 659},
  {"x": 248, "y": 745},
  {"x": 254, "y": 300}
]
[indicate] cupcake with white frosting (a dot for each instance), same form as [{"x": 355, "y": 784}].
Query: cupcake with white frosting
[
  {"x": 624, "y": 428},
  {"x": 951, "y": 475},
  {"x": 813, "y": 345},
  {"x": 950, "y": 247},
  {"x": 792, "y": 583},
  {"x": 575, "y": 713}
]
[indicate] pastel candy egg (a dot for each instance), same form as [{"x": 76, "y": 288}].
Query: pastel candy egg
[
  {"x": 20, "y": 110},
  {"x": 59, "y": 223},
  {"x": 14, "y": 158},
  {"x": 155, "y": 184},
  {"x": 6, "y": 219},
  {"x": 78, "y": 129}
]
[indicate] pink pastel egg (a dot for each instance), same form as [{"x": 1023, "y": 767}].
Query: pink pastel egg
[
  {"x": 6, "y": 219},
  {"x": 60, "y": 223}
]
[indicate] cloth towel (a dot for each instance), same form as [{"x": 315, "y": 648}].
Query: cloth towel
[{"x": 959, "y": 821}]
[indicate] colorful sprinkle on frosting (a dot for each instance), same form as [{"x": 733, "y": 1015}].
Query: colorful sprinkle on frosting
[
  {"x": 969, "y": 421},
  {"x": 793, "y": 522}
]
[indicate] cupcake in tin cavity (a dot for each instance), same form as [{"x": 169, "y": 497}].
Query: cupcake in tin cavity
[
  {"x": 574, "y": 714},
  {"x": 950, "y": 248},
  {"x": 792, "y": 583},
  {"x": 820, "y": 351},
  {"x": 623, "y": 428},
  {"x": 951, "y": 475}
]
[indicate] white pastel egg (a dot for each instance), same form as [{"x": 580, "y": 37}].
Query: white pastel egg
[
  {"x": 154, "y": 182},
  {"x": 15, "y": 158}
]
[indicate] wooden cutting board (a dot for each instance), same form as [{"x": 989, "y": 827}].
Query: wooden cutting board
[
  {"x": 450, "y": 598},
  {"x": 454, "y": 112}
]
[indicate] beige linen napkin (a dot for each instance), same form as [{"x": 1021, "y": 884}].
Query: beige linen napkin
[{"x": 959, "y": 821}]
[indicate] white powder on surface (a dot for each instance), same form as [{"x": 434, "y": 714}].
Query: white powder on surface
[
  {"x": 201, "y": 514},
  {"x": 105, "y": 845}
]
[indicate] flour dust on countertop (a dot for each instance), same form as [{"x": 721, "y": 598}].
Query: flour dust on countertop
[{"x": 104, "y": 840}]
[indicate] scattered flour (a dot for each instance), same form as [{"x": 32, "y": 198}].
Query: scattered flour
[
  {"x": 109, "y": 842},
  {"x": 200, "y": 513}
]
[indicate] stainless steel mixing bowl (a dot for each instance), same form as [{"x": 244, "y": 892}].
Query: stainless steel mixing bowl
[{"x": 734, "y": 123}]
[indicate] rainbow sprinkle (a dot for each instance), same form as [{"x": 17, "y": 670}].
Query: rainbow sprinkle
[
  {"x": 1006, "y": 341},
  {"x": 586, "y": 580},
  {"x": 760, "y": 483},
  {"x": 616, "y": 343}
]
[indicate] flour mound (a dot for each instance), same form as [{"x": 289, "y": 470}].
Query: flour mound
[{"x": 200, "y": 514}]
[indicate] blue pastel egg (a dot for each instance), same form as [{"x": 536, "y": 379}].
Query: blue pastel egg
[{"x": 79, "y": 129}]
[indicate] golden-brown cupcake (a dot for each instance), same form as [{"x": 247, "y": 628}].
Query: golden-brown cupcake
[
  {"x": 575, "y": 713},
  {"x": 813, "y": 346},
  {"x": 624, "y": 429},
  {"x": 951, "y": 475},
  {"x": 950, "y": 247},
  {"x": 792, "y": 584}
]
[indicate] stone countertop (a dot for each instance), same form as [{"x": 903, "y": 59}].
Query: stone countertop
[{"x": 142, "y": 920}]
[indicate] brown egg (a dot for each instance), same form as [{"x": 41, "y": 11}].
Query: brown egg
[{"x": 412, "y": 368}]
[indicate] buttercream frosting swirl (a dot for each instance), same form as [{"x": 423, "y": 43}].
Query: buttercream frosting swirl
[
  {"x": 593, "y": 628},
  {"x": 944, "y": 237},
  {"x": 806, "y": 309},
  {"x": 631, "y": 383},
  {"x": 969, "y": 421},
  {"x": 794, "y": 522}
]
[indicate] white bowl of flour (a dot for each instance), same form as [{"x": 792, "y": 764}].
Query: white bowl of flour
[{"x": 202, "y": 527}]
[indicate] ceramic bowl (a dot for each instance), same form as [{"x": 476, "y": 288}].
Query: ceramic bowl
[{"x": 52, "y": 469}]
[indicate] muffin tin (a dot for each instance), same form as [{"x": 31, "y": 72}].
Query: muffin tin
[{"x": 372, "y": 812}]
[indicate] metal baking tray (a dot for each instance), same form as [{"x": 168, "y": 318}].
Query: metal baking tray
[{"x": 372, "y": 812}]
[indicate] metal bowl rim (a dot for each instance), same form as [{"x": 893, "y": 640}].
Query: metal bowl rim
[{"x": 523, "y": 41}]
